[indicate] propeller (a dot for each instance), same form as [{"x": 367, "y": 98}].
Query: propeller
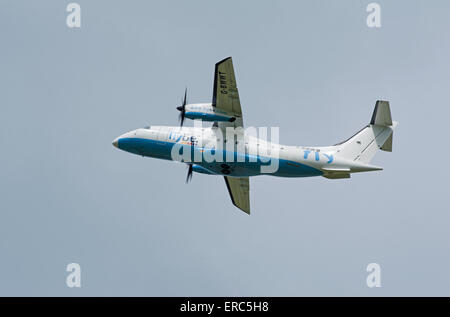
[
  {"x": 182, "y": 108},
  {"x": 189, "y": 174}
]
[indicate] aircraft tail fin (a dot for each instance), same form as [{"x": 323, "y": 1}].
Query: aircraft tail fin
[{"x": 378, "y": 134}]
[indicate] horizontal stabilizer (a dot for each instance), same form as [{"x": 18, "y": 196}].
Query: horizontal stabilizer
[
  {"x": 387, "y": 146},
  {"x": 336, "y": 175},
  {"x": 336, "y": 172}
]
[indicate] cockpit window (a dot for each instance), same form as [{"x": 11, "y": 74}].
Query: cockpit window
[{"x": 147, "y": 127}]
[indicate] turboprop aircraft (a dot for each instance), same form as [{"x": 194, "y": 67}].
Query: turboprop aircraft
[{"x": 241, "y": 155}]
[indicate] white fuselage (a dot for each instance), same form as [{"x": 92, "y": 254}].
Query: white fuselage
[{"x": 245, "y": 155}]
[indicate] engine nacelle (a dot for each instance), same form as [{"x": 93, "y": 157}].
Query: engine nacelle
[{"x": 206, "y": 112}]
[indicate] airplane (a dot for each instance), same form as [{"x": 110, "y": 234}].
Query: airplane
[{"x": 205, "y": 150}]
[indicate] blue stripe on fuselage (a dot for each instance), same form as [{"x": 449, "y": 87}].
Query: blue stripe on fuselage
[{"x": 251, "y": 165}]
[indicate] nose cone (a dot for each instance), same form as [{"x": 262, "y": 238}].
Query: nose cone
[
  {"x": 116, "y": 143},
  {"x": 179, "y": 108}
]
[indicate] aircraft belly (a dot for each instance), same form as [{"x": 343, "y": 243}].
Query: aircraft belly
[
  {"x": 289, "y": 168},
  {"x": 235, "y": 169},
  {"x": 242, "y": 169}
]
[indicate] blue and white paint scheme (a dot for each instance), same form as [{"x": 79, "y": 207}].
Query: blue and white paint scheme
[
  {"x": 207, "y": 112},
  {"x": 242, "y": 157}
]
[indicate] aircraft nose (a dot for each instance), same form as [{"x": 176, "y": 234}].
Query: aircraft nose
[{"x": 116, "y": 142}]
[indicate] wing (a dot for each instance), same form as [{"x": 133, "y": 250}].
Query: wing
[
  {"x": 225, "y": 92},
  {"x": 239, "y": 189},
  {"x": 226, "y": 97}
]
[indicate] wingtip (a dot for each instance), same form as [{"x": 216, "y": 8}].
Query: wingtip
[
  {"x": 223, "y": 60},
  {"x": 240, "y": 208}
]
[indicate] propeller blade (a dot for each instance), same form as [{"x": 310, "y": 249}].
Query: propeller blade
[
  {"x": 181, "y": 118},
  {"x": 182, "y": 108},
  {"x": 189, "y": 175}
]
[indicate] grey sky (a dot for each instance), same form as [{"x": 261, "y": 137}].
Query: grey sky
[{"x": 313, "y": 68}]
